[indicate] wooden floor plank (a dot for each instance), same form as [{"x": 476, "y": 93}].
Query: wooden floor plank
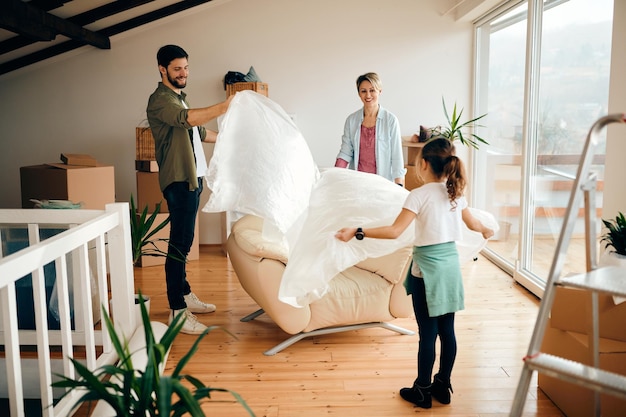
[{"x": 356, "y": 373}]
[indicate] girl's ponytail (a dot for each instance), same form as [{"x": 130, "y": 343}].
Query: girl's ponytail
[{"x": 441, "y": 155}]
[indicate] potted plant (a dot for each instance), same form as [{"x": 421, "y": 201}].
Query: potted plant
[
  {"x": 142, "y": 231},
  {"x": 454, "y": 129},
  {"x": 144, "y": 392},
  {"x": 615, "y": 235}
]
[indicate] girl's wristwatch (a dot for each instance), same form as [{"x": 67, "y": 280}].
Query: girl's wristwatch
[{"x": 359, "y": 234}]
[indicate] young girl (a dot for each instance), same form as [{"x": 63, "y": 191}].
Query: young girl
[{"x": 435, "y": 282}]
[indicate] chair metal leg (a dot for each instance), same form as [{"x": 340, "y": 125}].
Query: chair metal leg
[
  {"x": 252, "y": 316},
  {"x": 295, "y": 338}
]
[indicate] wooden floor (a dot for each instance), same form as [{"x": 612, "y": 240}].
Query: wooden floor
[{"x": 355, "y": 373}]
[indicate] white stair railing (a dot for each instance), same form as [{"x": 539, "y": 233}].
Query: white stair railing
[{"x": 99, "y": 235}]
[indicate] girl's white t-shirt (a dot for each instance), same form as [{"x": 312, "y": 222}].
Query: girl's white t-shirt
[{"x": 437, "y": 219}]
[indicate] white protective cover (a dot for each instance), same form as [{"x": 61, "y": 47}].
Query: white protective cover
[
  {"x": 341, "y": 198},
  {"x": 347, "y": 198},
  {"x": 261, "y": 163},
  {"x": 473, "y": 242}
]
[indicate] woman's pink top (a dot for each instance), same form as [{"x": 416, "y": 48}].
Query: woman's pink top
[{"x": 367, "y": 150}]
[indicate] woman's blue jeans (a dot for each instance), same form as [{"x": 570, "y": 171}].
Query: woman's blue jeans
[{"x": 183, "y": 207}]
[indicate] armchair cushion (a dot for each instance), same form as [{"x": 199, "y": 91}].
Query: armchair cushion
[
  {"x": 249, "y": 235},
  {"x": 392, "y": 267},
  {"x": 354, "y": 296}
]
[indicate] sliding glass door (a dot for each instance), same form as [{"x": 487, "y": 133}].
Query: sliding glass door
[{"x": 542, "y": 73}]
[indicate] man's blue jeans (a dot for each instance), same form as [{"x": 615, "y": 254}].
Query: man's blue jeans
[{"x": 183, "y": 207}]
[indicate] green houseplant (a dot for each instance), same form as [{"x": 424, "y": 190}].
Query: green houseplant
[
  {"x": 144, "y": 392},
  {"x": 454, "y": 130},
  {"x": 142, "y": 231},
  {"x": 615, "y": 235}
]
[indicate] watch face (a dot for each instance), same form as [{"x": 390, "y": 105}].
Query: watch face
[{"x": 359, "y": 234}]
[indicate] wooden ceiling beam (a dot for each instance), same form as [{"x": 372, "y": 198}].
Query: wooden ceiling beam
[
  {"x": 22, "y": 18},
  {"x": 82, "y": 19},
  {"x": 110, "y": 31}
]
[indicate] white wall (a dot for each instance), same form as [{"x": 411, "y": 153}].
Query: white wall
[
  {"x": 614, "y": 189},
  {"x": 310, "y": 53}
]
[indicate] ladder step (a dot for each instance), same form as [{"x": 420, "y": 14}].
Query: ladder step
[
  {"x": 609, "y": 279},
  {"x": 577, "y": 373}
]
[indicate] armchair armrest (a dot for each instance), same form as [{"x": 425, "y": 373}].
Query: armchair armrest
[{"x": 392, "y": 267}]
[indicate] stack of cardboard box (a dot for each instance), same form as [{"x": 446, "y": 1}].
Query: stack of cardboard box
[
  {"x": 149, "y": 195},
  {"x": 567, "y": 336},
  {"x": 77, "y": 178}
]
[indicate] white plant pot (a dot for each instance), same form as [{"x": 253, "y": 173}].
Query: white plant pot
[
  {"x": 608, "y": 258},
  {"x": 137, "y": 306},
  {"x": 146, "y": 301}
]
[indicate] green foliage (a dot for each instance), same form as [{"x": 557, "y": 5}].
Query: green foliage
[
  {"x": 142, "y": 238},
  {"x": 615, "y": 236},
  {"x": 134, "y": 392},
  {"x": 454, "y": 130}
]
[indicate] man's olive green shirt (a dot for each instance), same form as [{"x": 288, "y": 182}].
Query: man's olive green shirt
[{"x": 172, "y": 137}]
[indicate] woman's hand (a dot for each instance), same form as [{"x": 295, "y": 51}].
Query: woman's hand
[{"x": 345, "y": 234}]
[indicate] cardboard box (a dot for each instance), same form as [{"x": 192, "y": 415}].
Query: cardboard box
[
  {"x": 146, "y": 166},
  {"x": 410, "y": 178},
  {"x": 93, "y": 186},
  {"x": 149, "y": 192},
  {"x": 194, "y": 252},
  {"x": 78, "y": 159},
  {"x": 575, "y": 400},
  {"x": 572, "y": 311}
]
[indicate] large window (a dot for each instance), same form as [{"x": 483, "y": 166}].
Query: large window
[{"x": 543, "y": 78}]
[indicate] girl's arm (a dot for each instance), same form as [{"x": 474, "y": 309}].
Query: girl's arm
[
  {"x": 474, "y": 224},
  {"x": 399, "y": 225}
]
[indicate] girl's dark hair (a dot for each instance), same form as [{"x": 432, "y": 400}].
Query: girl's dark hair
[
  {"x": 441, "y": 155},
  {"x": 168, "y": 53}
]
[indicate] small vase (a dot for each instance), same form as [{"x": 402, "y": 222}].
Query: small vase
[
  {"x": 137, "y": 306},
  {"x": 610, "y": 258}
]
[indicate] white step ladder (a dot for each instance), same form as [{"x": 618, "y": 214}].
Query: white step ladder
[{"x": 609, "y": 280}]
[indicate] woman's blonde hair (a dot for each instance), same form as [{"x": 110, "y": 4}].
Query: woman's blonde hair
[{"x": 373, "y": 78}]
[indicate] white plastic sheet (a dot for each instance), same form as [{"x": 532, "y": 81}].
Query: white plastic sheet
[
  {"x": 347, "y": 198},
  {"x": 341, "y": 198},
  {"x": 473, "y": 242},
  {"x": 261, "y": 163}
]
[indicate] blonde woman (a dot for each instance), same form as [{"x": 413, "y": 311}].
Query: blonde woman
[{"x": 371, "y": 140}]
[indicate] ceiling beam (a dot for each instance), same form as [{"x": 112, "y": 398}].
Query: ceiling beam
[
  {"x": 110, "y": 31},
  {"x": 19, "y": 17},
  {"x": 81, "y": 19}
]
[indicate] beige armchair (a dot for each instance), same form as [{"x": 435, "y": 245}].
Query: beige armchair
[{"x": 368, "y": 294}]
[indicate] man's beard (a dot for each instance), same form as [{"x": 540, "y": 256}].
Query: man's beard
[{"x": 175, "y": 82}]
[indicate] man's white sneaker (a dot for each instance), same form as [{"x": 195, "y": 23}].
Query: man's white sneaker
[
  {"x": 196, "y": 306},
  {"x": 191, "y": 326}
]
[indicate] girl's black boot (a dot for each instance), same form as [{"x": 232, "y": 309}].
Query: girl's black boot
[
  {"x": 441, "y": 390},
  {"x": 420, "y": 396}
]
